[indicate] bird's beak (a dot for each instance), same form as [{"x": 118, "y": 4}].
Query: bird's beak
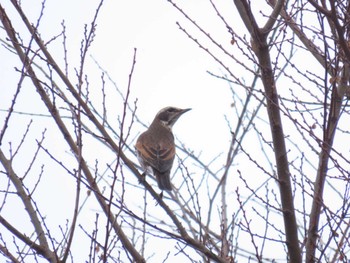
[
  {"x": 180, "y": 112},
  {"x": 184, "y": 110}
]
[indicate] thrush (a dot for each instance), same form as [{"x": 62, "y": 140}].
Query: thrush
[{"x": 155, "y": 147}]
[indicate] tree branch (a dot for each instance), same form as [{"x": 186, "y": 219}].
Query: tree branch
[
  {"x": 309, "y": 44},
  {"x": 326, "y": 148},
  {"x": 273, "y": 17},
  {"x": 60, "y": 124},
  {"x": 261, "y": 49}
]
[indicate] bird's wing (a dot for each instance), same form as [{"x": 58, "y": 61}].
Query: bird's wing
[{"x": 160, "y": 156}]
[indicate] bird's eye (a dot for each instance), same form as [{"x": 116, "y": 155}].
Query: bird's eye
[{"x": 171, "y": 110}]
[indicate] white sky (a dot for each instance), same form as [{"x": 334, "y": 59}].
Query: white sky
[{"x": 170, "y": 68}]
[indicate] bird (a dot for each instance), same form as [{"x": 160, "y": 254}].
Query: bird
[{"x": 155, "y": 148}]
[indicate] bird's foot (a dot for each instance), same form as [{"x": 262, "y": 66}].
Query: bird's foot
[
  {"x": 142, "y": 179},
  {"x": 160, "y": 197}
]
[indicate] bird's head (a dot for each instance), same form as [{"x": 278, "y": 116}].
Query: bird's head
[{"x": 169, "y": 115}]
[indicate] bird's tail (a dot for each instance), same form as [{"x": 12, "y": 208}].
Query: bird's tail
[{"x": 163, "y": 180}]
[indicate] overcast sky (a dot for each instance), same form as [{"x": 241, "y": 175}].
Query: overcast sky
[{"x": 170, "y": 68}]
